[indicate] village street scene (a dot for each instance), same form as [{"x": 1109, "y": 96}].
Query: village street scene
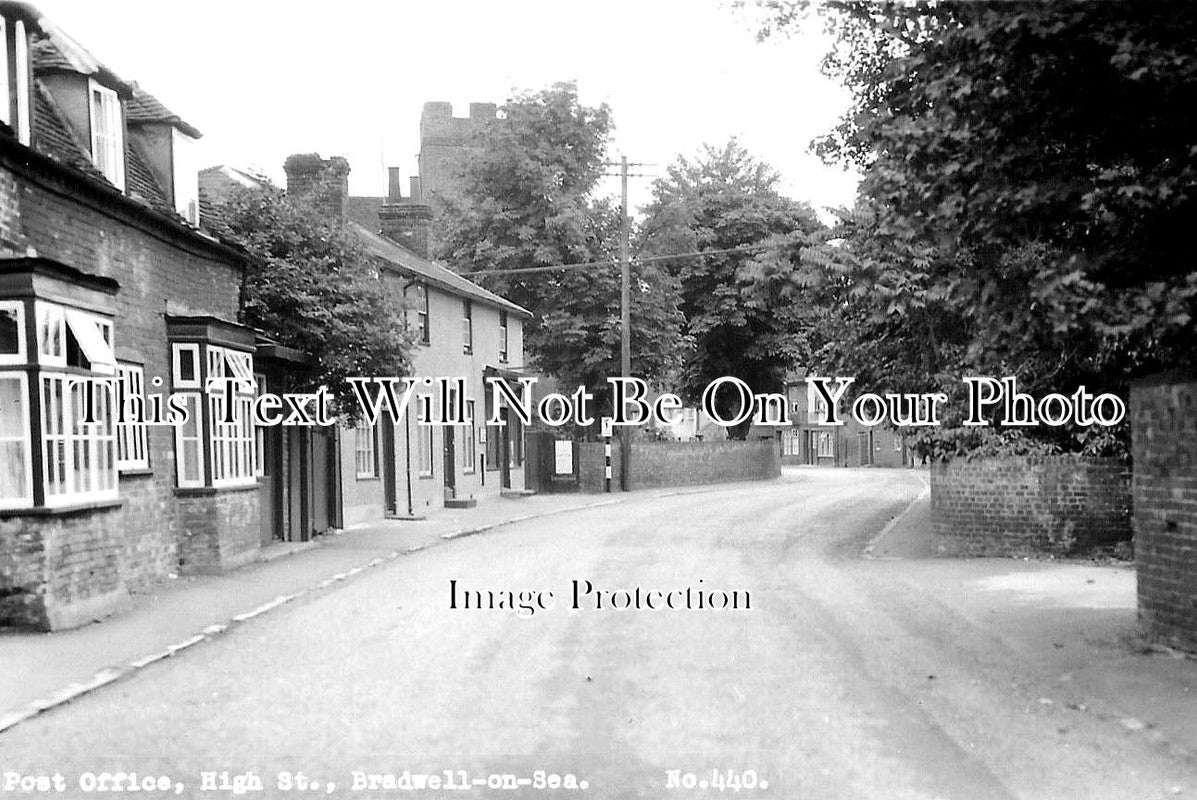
[{"x": 804, "y": 412}]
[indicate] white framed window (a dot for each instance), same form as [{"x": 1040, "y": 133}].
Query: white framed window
[
  {"x": 132, "y": 433},
  {"x": 259, "y": 430},
  {"x": 185, "y": 175},
  {"x": 424, "y": 450},
  {"x": 897, "y": 442},
  {"x": 420, "y": 303},
  {"x": 233, "y": 443},
  {"x": 467, "y": 327},
  {"x": 365, "y": 455},
  {"x": 20, "y": 68},
  {"x": 185, "y": 369},
  {"x": 89, "y": 342},
  {"x": 16, "y": 455},
  {"x": 24, "y": 129},
  {"x": 6, "y": 107},
  {"x": 790, "y": 442},
  {"x": 107, "y": 133},
  {"x": 824, "y": 444},
  {"x": 503, "y": 337},
  {"x": 469, "y": 445},
  {"x": 79, "y": 457},
  {"x": 12, "y": 331},
  {"x": 51, "y": 334},
  {"x": 189, "y": 444}
]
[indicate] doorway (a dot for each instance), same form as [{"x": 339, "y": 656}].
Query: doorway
[{"x": 450, "y": 463}]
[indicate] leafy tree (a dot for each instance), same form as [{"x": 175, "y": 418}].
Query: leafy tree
[
  {"x": 1029, "y": 174},
  {"x": 526, "y": 198},
  {"x": 313, "y": 287},
  {"x": 727, "y": 202}
]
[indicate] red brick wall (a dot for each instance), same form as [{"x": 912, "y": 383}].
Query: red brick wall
[
  {"x": 659, "y": 464},
  {"x": 60, "y": 571},
  {"x": 218, "y": 531},
  {"x": 1163, "y": 413},
  {"x": 1020, "y": 505}
]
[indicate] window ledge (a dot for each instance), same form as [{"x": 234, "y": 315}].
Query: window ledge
[
  {"x": 368, "y": 478},
  {"x": 203, "y": 491},
  {"x": 136, "y": 472},
  {"x": 64, "y": 510},
  {"x": 425, "y": 476}
]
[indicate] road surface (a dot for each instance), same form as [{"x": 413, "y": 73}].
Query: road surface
[{"x": 845, "y": 678}]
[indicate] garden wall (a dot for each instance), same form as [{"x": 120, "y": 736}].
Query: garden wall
[
  {"x": 1163, "y": 413},
  {"x": 1021, "y": 505}
]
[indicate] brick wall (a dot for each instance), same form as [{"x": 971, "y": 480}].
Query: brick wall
[
  {"x": 61, "y": 571},
  {"x": 218, "y": 530},
  {"x": 657, "y": 464},
  {"x": 57, "y": 570},
  {"x": 1163, "y": 412},
  {"x": 1021, "y": 505}
]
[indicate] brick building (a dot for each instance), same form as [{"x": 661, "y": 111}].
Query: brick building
[
  {"x": 112, "y": 276},
  {"x": 809, "y": 442},
  {"x": 407, "y": 470}
]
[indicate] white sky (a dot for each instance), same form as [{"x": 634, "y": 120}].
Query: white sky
[{"x": 264, "y": 80}]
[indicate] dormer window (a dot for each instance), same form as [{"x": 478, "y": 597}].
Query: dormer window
[
  {"x": 107, "y": 134},
  {"x": 14, "y": 78},
  {"x": 186, "y": 176}
]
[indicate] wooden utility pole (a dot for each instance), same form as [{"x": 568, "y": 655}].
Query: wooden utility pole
[{"x": 625, "y": 312}]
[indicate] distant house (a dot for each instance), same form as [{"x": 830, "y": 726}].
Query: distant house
[
  {"x": 809, "y": 442},
  {"x": 115, "y": 276}
]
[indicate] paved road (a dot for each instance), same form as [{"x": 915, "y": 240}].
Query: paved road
[{"x": 845, "y": 679}]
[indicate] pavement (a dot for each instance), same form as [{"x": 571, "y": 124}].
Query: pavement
[
  {"x": 894, "y": 675},
  {"x": 44, "y": 670}
]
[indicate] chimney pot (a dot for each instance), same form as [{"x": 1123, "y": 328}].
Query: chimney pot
[
  {"x": 325, "y": 182},
  {"x": 394, "y": 184}
]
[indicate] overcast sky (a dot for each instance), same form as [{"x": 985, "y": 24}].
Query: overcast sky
[{"x": 264, "y": 80}]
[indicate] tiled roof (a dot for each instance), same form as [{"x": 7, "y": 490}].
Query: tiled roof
[
  {"x": 144, "y": 107},
  {"x": 53, "y": 137},
  {"x": 435, "y": 274},
  {"x": 57, "y": 50},
  {"x": 364, "y": 211},
  {"x": 140, "y": 182}
]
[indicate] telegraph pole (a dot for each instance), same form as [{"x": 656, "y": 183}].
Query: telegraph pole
[
  {"x": 625, "y": 274},
  {"x": 625, "y": 314},
  {"x": 625, "y": 309}
]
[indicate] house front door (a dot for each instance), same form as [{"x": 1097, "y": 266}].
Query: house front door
[{"x": 450, "y": 463}]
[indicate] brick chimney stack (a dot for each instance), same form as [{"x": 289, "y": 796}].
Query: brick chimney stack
[
  {"x": 325, "y": 182},
  {"x": 406, "y": 220}
]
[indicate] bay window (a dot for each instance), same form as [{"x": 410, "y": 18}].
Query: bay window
[
  {"x": 57, "y": 394},
  {"x": 219, "y": 445},
  {"x": 16, "y": 458},
  {"x": 132, "y": 436}
]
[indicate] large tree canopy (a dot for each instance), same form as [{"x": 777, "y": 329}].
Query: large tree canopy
[
  {"x": 727, "y": 202},
  {"x": 314, "y": 288},
  {"x": 1029, "y": 181},
  {"x": 526, "y": 198}
]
